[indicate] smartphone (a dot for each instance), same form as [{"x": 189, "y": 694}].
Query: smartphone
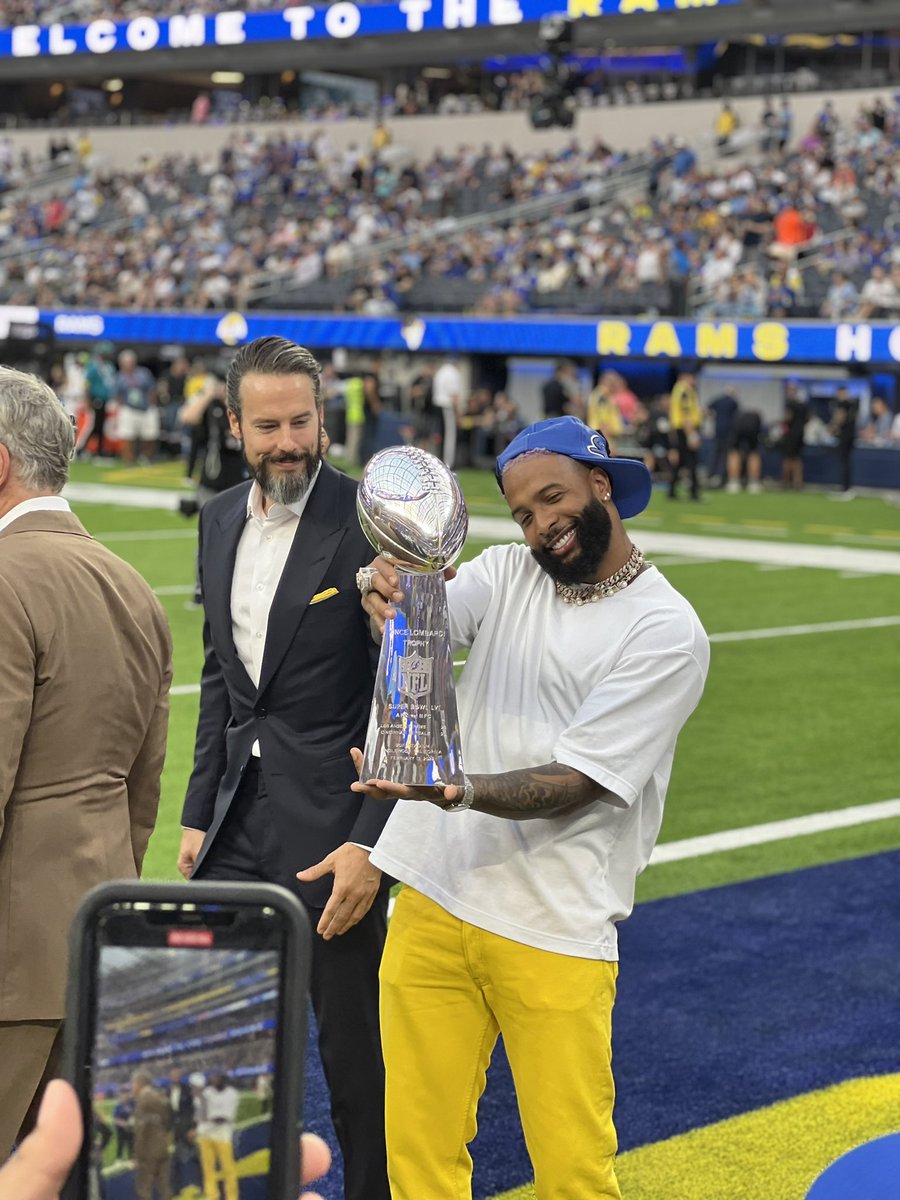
[{"x": 185, "y": 1039}]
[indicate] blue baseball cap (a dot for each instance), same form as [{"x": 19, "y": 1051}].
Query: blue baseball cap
[{"x": 632, "y": 483}]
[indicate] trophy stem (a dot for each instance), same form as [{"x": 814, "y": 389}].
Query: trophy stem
[{"x": 413, "y": 735}]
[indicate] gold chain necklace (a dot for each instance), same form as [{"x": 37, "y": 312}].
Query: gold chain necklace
[{"x": 587, "y": 593}]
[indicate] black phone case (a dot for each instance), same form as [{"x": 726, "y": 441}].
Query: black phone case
[{"x": 284, "y": 1172}]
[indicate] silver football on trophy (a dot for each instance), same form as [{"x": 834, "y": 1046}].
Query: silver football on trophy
[{"x": 411, "y": 508}]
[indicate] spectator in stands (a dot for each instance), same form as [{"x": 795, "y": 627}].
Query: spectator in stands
[
  {"x": 842, "y": 298},
  {"x": 744, "y": 458},
  {"x": 152, "y": 1132},
  {"x": 84, "y": 689},
  {"x": 844, "y": 413},
  {"x": 796, "y": 415},
  {"x": 685, "y": 418},
  {"x": 879, "y": 296},
  {"x": 723, "y": 410},
  {"x": 266, "y": 757},
  {"x": 793, "y": 231},
  {"x": 138, "y": 415},
  {"x": 785, "y": 124},
  {"x": 725, "y": 128}
]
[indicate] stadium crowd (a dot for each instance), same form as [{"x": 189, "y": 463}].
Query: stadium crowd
[{"x": 273, "y": 222}]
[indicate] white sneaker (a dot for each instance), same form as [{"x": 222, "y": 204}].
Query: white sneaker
[
  {"x": 755, "y": 488},
  {"x": 732, "y": 486}
]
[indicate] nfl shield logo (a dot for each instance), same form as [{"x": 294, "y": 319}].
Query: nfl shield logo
[{"x": 415, "y": 675}]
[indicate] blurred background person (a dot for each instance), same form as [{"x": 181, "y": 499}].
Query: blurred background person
[
  {"x": 796, "y": 416},
  {"x": 722, "y": 410},
  {"x": 685, "y": 418}
]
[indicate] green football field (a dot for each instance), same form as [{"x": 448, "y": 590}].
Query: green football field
[
  {"x": 792, "y": 723},
  {"x": 792, "y": 759}
]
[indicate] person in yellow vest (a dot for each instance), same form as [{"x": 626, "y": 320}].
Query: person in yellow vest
[
  {"x": 355, "y": 416},
  {"x": 685, "y": 417},
  {"x": 726, "y": 124},
  {"x": 603, "y": 412}
]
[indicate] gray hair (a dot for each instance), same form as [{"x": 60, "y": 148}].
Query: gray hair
[
  {"x": 270, "y": 356},
  {"x": 36, "y": 431}
]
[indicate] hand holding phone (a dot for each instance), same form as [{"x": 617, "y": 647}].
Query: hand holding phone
[
  {"x": 185, "y": 1037},
  {"x": 40, "y": 1167}
]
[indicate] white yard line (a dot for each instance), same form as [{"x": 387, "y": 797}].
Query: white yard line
[
  {"x": 774, "y": 831},
  {"x": 752, "y": 635},
  {"x": 504, "y": 529}
]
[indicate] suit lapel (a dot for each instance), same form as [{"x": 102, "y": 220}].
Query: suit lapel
[{"x": 315, "y": 544}]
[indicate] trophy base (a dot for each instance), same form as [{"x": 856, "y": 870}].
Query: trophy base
[{"x": 413, "y": 735}]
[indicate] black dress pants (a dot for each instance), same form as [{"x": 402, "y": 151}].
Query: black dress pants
[{"x": 343, "y": 986}]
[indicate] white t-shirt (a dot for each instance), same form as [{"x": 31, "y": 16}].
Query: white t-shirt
[
  {"x": 605, "y": 689},
  {"x": 446, "y": 388}
]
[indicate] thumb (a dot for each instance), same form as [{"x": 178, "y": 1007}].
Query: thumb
[
  {"x": 325, "y": 867},
  {"x": 40, "y": 1166}
]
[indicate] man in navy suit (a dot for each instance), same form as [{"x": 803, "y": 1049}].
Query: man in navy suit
[{"x": 285, "y": 692}]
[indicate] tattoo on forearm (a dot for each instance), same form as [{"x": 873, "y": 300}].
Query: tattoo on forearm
[{"x": 546, "y": 791}]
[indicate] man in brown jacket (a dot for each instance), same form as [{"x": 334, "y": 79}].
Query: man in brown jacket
[
  {"x": 86, "y": 668},
  {"x": 152, "y": 1146}
]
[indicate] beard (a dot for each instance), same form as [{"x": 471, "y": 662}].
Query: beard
[
  {"x": 281, "y": 488},
  {"x": 593, "y": 529}
]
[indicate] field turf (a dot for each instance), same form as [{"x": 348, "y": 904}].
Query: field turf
[{"x": 791, "y": 724}]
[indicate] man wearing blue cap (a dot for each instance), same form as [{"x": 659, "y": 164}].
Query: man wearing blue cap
[{"x": 584, "y": 663}]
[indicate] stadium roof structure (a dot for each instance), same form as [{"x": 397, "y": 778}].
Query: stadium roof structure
[{"x": 496, "y": 32}]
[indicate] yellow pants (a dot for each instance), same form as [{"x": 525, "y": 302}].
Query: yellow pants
[
  {"x": 217, "y": 1162},
  {"x": 447, "y": 990}
]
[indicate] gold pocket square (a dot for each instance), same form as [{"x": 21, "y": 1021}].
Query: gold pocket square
[{"x": 326, "y": 595}]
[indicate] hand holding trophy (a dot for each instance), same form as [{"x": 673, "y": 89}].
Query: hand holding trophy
[{"x": 412, "y": 510}]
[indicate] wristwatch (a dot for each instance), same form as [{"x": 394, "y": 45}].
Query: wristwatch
[{"x": 465, "y": 801}]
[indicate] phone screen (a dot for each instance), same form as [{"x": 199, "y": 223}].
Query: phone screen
[{"x": 184, "y": 1028}]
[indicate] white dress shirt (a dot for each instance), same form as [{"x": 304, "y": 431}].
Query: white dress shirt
[
  {"x": 35, "y": 504},
  {"x": 261, "y": 555}
]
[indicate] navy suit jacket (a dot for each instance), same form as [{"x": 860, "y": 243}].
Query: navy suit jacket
[{"x": 315, "y": 688}]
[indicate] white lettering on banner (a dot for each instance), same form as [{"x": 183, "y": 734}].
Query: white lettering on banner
[
  {"x": 230, "y": 28},
  {"x": 187, "y": 31},
  {"x": 57, "y": 41},
  {"x": 504, "y": 12},
  {"x": 100, "y": 36},
  {"x": 85, "y": 324},
  {"x": 299, "y": 18},
  {"x": 894, "y": 343},
  {"x": 460, "y": 14},
  {"x": 414, "y": 11},
  {"x": 342, "y": 20},
  {"x": 142, "y": 33},
  {"x": 25, "y": 42},
  {"x": 853, "y": 343}
]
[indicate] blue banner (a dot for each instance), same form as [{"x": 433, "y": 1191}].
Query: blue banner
[
  {"x": 310, "y": 22},
  {"x": 661, "y": 340}
]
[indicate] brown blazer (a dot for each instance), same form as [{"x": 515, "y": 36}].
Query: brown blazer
[
  {"x": 85, "y": 670},
  {"x": 152, "y": 1125}
]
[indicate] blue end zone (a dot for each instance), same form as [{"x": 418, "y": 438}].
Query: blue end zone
[{"x": 729, "y": 1000}]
